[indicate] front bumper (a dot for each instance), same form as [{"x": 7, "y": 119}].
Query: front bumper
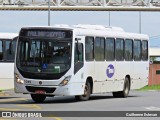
[{"x": 67, "y": 90}]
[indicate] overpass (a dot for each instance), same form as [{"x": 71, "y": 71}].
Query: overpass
[{"x": 81, "y": 5}]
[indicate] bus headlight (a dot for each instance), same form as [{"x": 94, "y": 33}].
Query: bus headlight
[
  {"x": 66, "y": 80},
  {"x": 19, "y": 80}
]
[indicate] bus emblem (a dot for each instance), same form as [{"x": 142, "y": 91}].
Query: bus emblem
[
  {"x": 40, "y": 82},
  {"x": 110, "y": 71}
]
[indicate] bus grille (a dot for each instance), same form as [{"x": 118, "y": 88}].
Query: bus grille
[{"x": 47, "y": 90}]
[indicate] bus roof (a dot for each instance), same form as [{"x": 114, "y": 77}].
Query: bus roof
[
  {"x": 8, "y": 35},
  {"x": 100, "y": 30}
]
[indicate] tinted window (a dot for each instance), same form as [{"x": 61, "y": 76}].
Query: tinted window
[
  {"x": 78, "y": 53},
  {"x": 109, "y": 49},
  {"x": 128, "y": 50},
  {"x": 99, "y": 49},
  {"x": 89, "y": 48},
  {"x": 119, "y": 49},
  {"x": 10, "y": 50},
  {"x": 137, "y": 50},
  {"x": 1, "y": 50},
  {"x": 144, "y": 50},
  {"x": 78, "y": 57}
]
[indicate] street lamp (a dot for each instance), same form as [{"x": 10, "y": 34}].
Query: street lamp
[
  {"x": 49, "y": 5},
  {"x": 109, "y": 18},
  {"x": 140, "y": 22}
]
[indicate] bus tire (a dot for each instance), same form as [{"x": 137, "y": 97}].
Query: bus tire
[
  {"x": 38, "y": 98},
  {"x": 87, "y": 93},
  {"x": 125, "y": 92}
]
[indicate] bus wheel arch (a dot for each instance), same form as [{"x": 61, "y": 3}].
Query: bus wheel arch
[
  {"x": 126, "y": 88},
  {"x": 87, "y": 90}
]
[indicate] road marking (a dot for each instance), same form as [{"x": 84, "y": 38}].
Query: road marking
[
  {"x": 153, "y": 108},
  {"x": 30, "y": 106},
  {"x": 4, "y": 119},
  {"x": 13, "y": 99},
  {"x": 9, "y": 109},
  {"x": 56, "y": 118}
]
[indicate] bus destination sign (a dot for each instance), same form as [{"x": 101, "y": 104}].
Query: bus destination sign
[
  {"x": 54, "y": 34},
  {"x": 47, "y": 33}
]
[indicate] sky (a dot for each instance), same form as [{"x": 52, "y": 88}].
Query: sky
[{"x": 12, "y": 21}]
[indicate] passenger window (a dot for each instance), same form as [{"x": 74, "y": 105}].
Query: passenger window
[
  {"x": 99, "y": 49},
  {"x": 128, "y": 50},
  {"x": 110, "y": 49},
  {"x": 119, "y": 49},
  {"x": 137, "y": 50},
  {"x": 10, "y": 50},
  {"x": 89, "y": 48},
  {"x": 144, "y": 50}
]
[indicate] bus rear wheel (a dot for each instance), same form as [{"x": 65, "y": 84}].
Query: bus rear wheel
[
  {"x": 87, "y": 93},
  {"x": 125, "y": 92},
  {"x": 38, "y": 98}
]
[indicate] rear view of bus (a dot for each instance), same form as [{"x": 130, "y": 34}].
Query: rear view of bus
[
  {"x": 7, "y": 53},
  {"x": 79, "y": 60}
]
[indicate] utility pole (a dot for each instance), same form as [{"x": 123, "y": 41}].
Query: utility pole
[
  {"x": 109, "y": 18},
  {"x": 140, "y": 24},
  {"x": 49, "y": 6}
]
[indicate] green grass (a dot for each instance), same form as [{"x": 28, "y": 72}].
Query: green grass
[
  {"x": 153, "y": 87},
  {"x": 0, "y": 90}
]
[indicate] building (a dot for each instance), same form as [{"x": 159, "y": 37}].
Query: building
[{"x": 154, "y": 68}]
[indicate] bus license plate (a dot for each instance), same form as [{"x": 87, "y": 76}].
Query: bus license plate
[{"x": 40, "y": 92}]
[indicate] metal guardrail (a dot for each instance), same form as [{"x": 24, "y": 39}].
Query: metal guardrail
[{"x": 93, "y": 5}]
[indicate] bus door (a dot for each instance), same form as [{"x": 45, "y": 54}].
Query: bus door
[{"x": 79, "y": 58}]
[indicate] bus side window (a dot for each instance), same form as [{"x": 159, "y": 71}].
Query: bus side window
[
  {"x": 137, "y": 50},
  {"x": 9, "y": 51},
  {"x": 1, "y": 50},
  {"x": 144, "y": 50},
  {"x": 89, "y": 48},
  {"x": 78, "y": 57},
  {"x": 119, "y": 49},
  {"x": 78, "y": 54}
]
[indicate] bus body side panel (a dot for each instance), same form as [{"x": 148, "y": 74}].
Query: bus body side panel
[
  {"x": 104, "y": 77},
  {"x": 141, "y": 71},
  {"x": 7, "y": 75},
  {"x": 123, "y": 68}
]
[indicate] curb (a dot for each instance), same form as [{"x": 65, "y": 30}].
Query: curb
[{"x": 4, "y": 94}]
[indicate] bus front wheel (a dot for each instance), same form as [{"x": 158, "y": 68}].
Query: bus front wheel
[
  {"x": 38, "y": 98},
  {"x": 87, "y": 93},
  {"x": 125, "y": 91}
]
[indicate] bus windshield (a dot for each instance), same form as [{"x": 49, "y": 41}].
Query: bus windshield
[{"x": 51, "y": 56}]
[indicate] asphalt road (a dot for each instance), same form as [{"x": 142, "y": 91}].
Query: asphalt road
[{"x": 137, "y": 101}]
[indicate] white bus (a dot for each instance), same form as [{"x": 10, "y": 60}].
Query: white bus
[
  {"x": 80, "y": 60},
  {"x": 7, "y": 53}
]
